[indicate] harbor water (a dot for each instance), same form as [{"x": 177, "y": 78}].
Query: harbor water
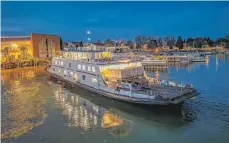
[{"x": 36, "y": 108}]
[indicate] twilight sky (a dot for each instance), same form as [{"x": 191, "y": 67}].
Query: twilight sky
[{"x": 118, "y": 20}]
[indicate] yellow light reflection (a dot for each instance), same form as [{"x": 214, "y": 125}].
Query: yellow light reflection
[
  {"x": 90, "y": 117},
  {"x": 25, "y": 104},
  {"x": 110, "y": 120},
  {"x": 207, "y": 61}
]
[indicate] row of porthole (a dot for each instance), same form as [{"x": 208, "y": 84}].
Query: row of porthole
[
  {"x": 75, "y": 77},
  {"x": 79, "y": 66},
  {"x": 94, "y": 80},
  {"x": 59, "y": 63},
  {"x": 89, "y": 68}
]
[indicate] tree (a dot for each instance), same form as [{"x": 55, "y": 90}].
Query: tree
[
  {"x": 165, "y": 41},
  {"x": 210, "y": 42},
  {"x": 130, "y": 44},
  {"x": 180, "y": 43},
  {"x": 24, "y": 51},
  {"x": 144, "y": 40},
  {"x": 138, "y": 42},
  {"x": 189, "y": 42},
  {"x": 152, "y": 44},
  {"x": 198, "y": 42},
  {"x": 81, "y": 44},
  {"x": 226, "y": 37},
  {"x": 109, "y": 42},
  {"x": 159, "y": 42},
  {"x": 227, "y": 41},
  {"x": 171, "y": 42}
]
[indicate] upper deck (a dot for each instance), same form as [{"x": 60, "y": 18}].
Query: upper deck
[{"x": 99, "y": 56}]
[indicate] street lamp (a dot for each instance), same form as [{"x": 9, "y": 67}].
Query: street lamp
[{"x": 89, "y": 36}]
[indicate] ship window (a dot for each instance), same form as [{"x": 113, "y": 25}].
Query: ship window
[
  {"x": 89, "y": 68},
  {"x": 83, "y": 77},
  {"x": 79, "y": 66},
  {"x": 94, "y": 80},
  {"x": 93, "y": 69},
  {"x": 62, "y": 63},
  {"x": 83, "y": 67},
  {"x": 69, "y": 64},
  {"x": 75, "y": 77}
]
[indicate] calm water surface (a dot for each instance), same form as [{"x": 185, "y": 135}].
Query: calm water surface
[{"x": 37, "y": 109}]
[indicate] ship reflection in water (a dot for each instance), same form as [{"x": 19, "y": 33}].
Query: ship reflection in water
[
  {"x": 92, "y": 112},
  {"x": 89, "y": 117}
]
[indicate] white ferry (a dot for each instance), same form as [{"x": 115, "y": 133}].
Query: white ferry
[
  {"x": 197, "y": 58},
  {"x": 186, "y": 58},
  {"x": 124, "y": 80}
]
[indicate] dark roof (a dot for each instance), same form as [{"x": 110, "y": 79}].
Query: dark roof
[
  {"x": 99, "y": 44},
  {"x": 15, "y": 38},
  {"x": 45, "y": 34},
  {"x": 75, "y": 42}
]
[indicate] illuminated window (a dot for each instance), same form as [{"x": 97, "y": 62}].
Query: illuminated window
[
  {"x": 62, "y": 63},
  {"x": 94, "y": 80},
  {"x": 75, "y": 77},
  {"x": 56, "y": 62},
  {"x": 59, "y": 71},
  {"x": 65, "y": 72},
  {"x": 79, "y": 67},
  {"x": 83, "y": 67},
  {"x": 93, "y": 69},
  {"x": 71, "y": 73},
  {"x": 89, "y": 68}
]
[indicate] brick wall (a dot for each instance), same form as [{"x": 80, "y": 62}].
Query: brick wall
[{"x": 36, "y": 38}]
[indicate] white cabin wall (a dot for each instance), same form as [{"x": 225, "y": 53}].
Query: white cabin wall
[{"x": 73, "y": 68}]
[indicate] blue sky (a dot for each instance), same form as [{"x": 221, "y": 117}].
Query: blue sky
[{"x": 117, "y": 20}]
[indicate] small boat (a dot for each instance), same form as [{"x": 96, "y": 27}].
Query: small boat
[
  {"x": 178, "y": 58},
  {"x": 154, "y": 63},
  {"x": 226, "y": 52},
  {"x": 197, "y": 58}
]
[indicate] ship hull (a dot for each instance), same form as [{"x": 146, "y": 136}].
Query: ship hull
[{"x": 174, "y": 102}]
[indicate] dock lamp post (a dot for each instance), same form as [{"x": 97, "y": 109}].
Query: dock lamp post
[
  {"x": 89, "y": 39},
  {"x": 89, "y": 36}
]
